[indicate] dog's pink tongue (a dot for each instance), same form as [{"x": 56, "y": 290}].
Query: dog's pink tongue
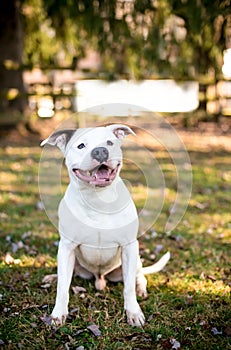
[{"x": 102, "y": 173}]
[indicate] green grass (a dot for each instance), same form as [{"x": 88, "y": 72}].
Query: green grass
[{"x": 188, "y": 301}]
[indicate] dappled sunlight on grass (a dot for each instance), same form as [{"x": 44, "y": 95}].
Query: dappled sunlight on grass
[
  {"x": 187, "y": 284},
  {"x": 41, "y": 260}
]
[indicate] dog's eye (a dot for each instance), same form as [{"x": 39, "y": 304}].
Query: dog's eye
[
  {"x": 109, "y": 143},
  {"x": 81, "y": 145}
]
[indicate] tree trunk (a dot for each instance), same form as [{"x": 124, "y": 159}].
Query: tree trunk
[{"x": 13, "y": 99}]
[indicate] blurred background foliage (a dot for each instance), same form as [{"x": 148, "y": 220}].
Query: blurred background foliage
[
  {"x": 176, "y": 38},
  {"x": 134, "y": 39}
]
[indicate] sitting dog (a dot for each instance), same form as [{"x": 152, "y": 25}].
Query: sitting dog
[{"x": 98, "y": 222}]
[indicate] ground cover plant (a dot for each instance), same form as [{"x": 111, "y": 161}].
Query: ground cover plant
[{"x": 189, "y": 302}]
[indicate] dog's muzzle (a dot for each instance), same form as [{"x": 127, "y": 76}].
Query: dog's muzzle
[
  {"x": 100, "y": 154},
  {"x": 100, "y": 176}
]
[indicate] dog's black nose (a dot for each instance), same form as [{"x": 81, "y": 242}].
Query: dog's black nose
[{"x": 100, "y": 154}]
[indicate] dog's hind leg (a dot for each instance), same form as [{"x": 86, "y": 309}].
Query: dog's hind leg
[
  {"x": 115, "y": 275},
  {"x": 141, "y": 281},
  {"x": 80, "y": 271}
]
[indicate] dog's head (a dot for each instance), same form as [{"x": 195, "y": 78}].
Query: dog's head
[{"x": 93, "y": 155}]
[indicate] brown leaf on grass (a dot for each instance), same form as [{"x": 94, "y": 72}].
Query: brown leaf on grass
[
  {"x": 95, "y": 330},
  {"x": 10, "y": 260},
  {"x": 203, "y": 276},
  {"x": 215, "y": 331},
  {"x": 158, "y": 248},
  {"x": 170, "y": 343},
  {"x": 202, "y": 206},
  {"x": 46, "y": 319},
  {"x": 131, "y": 336},
  {"x": 26, "y": 234},
  {"x": 150, "y": 317},
  {"x": 33, "y": 325},
  {"x": 30, "y": 306},
  {"x": 20, "y": 245},
  {"x": 204, "y": 324},
  {"x": 45, "y": 286},
  {"x": 79, "y": 331},
  {"x": 165, "y": 344},
  {"x": 77, "y": 289},
  {"x": 17, "y": 245},
  {"x": 144, "y": 338},
  {"x": 49, "y": 278},
  {"x": 175, "y": 344},
  {"x": 189, "y": 300},
  {"x": 211, "y": 278},
  {"x": 73, "y": 311},
  {"x": 228, "y": 331}
]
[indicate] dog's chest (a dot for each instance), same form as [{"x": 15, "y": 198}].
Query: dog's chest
[
  {"x": 98, "y": 260},
  {"x": 98, "y": 231}
]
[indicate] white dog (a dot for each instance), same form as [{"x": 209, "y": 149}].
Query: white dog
[{"x": 98, "y": 222}]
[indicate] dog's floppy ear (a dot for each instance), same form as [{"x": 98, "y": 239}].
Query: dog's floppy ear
[
  {"x": 120, "y": 130},
  {"x": 59, "y": 138}
]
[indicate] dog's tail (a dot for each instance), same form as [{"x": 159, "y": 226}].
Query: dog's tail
[{"x": 158, "y": 266}]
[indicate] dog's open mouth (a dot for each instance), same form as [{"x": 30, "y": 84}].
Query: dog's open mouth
[{"x": 101, "y": 175}]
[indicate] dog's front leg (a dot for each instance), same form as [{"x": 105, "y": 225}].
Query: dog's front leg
[
  {"x": 130, "y": 254},
  {"x": 66, "y": 262}
]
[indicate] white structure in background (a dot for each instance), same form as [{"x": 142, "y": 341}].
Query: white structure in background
[
  {"x": 224, "y": 87},
  {"x": 226, "y": 68},
  {"x": 147, "y": 95}
]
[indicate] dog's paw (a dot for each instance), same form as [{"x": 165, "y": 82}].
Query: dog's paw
[
  {"x": 58, "y": 317},
  {"x": 141, "y": 284},
  {"x": 135, "y": 319},
  {"x": 141, "y": 292},
  {"x": 57, "y": 322}
]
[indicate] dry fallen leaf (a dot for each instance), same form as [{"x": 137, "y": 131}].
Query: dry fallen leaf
[
  {"x": 45, "y": 286},
  {"x": 175, "y": 344},
  {"x": 228, "y": 331},
  {"x": 73, "y": 311},
  {"x": 46, "y": 319},
  {"x": 215, "y": 331},
  {"x": 159, "y": 336},
  {"x": 26, "y": 234},
  {"x": 150, "y": 317},
  {"x": 158, "y": 248},
  {"x": 49, "y": 278},
  {"x": 201, "y": 206},
  {"x": 16, "y": 246},
  {"x": 95, "y": 330},
  {"x": 211, "y": 278},
  {"x": 189, "y": 300},
  {"x": 77, "y": 289},
  {"x": 10, "y": 260}
]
